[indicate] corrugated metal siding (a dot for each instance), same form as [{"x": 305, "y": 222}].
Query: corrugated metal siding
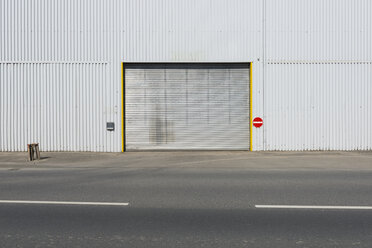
[
  {"x": 192, "y": 30},
  {"x": 317, "y": 79},
  {"x": 62, "y": 106},
  {"x": 130, "y": 30},
  {"x": 115, "y": 31},
  {"x": 318, "y": 106},
  {"x": 187, "y": 106},
  {"x": 318, "y": 30}
]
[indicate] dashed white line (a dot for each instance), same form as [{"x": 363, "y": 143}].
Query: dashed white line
[
  {"x": 65, "y": 203},
  {"x": 315, "y": 207}
]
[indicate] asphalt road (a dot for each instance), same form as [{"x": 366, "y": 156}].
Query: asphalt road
[{"x": 198, "y": 206}]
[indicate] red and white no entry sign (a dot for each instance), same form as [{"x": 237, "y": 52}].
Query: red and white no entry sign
[{"x": 257, "y": 122}]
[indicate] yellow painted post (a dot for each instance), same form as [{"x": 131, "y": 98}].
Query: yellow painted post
[
  {"x": 122, "y": 108},
  {"x": 250, "y": 106}
]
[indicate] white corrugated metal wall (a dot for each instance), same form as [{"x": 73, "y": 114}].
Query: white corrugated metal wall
[
  {"x": 318, "y": 75},
  {"x": 281, "y": 37},
  {"x": 109, "y": 32},
  {"x": 318, "y": 106},
  {"x": 59, "y": 105}
]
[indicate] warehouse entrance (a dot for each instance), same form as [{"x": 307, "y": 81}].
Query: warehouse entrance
[{"x": 186, "y": 106}]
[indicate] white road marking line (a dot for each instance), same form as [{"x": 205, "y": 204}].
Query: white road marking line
[
  {"x": 65, "y": 203},
  {"x": 315, "y": 207}
]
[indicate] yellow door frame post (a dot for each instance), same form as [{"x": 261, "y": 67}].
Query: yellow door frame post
[
  {"x": 122, "y": 110},
  {"x": 250, "y": 106}
]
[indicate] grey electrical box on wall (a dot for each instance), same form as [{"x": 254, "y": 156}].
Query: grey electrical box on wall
[{"x": 110, "y": 126}]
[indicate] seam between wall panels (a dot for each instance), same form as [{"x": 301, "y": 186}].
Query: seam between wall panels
[
  {"x": 319, "y": 62},
  {"x": 54, "y": 62}
]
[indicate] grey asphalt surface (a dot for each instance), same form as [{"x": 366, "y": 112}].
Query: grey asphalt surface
[{"x": 186, "y": 199}]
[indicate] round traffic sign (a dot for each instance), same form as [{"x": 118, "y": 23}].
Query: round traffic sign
[{"x": 257, "y": 122}]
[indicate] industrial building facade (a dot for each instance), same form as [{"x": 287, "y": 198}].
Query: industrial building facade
[{"x": 117, "y": 75}]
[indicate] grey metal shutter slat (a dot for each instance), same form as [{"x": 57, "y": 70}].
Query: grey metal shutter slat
[{"x": 187, "y": 106}]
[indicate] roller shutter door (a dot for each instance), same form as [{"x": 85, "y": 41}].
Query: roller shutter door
[{"x": 187, "y": 106}]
